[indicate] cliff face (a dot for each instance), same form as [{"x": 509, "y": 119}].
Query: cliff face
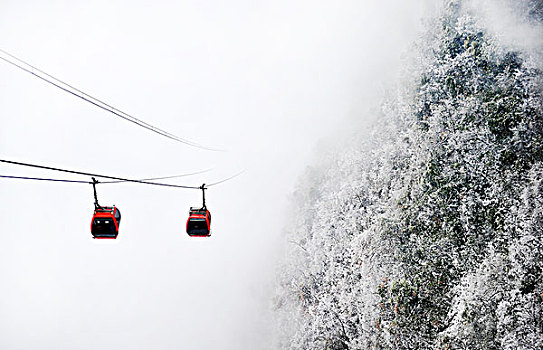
[{"x": 429, "y": 233}]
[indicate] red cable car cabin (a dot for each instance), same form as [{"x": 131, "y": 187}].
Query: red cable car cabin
[
  {"x": 105, "y": 222},
  {"x": 199, "y": 222}
]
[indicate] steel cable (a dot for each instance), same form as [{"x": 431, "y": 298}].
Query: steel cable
[{"x": 98, "y": 103}]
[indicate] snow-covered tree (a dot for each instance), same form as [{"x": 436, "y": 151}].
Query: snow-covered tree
[{"x": 429, "y": 233}]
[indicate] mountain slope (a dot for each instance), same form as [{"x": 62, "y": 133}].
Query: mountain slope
[{"x": 429, "y": 233}]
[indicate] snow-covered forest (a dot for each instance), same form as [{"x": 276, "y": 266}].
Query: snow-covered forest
[{"x": 427, "y": 233}]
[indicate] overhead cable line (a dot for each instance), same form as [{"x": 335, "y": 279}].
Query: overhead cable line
[
  {"x": 93, "y": 100},
  {"x": 101, "y": 182},
  {"x": 44, "y": 179},
  {"x": 96, "y": 175},
  {"x": 159, "y": 178},
  {"x": 118, "y": 179},
  {"x": 229, "y": 178}
]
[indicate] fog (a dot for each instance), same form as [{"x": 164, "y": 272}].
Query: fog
[
  {"x": 266, "y": 81},
  {"x": 508, "y": 21}
]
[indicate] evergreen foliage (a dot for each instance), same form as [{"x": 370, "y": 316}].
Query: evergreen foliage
[{"x": 429, "y": 235}]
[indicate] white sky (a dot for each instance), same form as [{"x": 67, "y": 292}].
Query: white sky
[{"x": 266, "y": 80}]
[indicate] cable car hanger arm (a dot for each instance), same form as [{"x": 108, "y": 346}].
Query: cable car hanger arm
[
  {"x": 203, "y": 188},
  {"x": 94, "y": 182}
]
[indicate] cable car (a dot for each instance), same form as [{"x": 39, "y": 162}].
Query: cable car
[
  {"x": 199, "y": 221},
  {"x": 105, "y": 222}
]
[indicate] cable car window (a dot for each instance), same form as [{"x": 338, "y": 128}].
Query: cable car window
[
  {"x": 197, "y": 227},
  {"x": 102, "y": 226},
  {"x": 118, "y": 216}
]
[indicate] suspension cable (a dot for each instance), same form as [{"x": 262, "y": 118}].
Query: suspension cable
[
  {"x": 44, "y": 179},
  {"x": 96, "y": 175},
  {"x": 118, "y": 179},
  {"x": 96, "y": 102},
  {"x": 101, "y": 182},
  {"x": 224, "y": 180},
  {"x": 159, "y": 178}
]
